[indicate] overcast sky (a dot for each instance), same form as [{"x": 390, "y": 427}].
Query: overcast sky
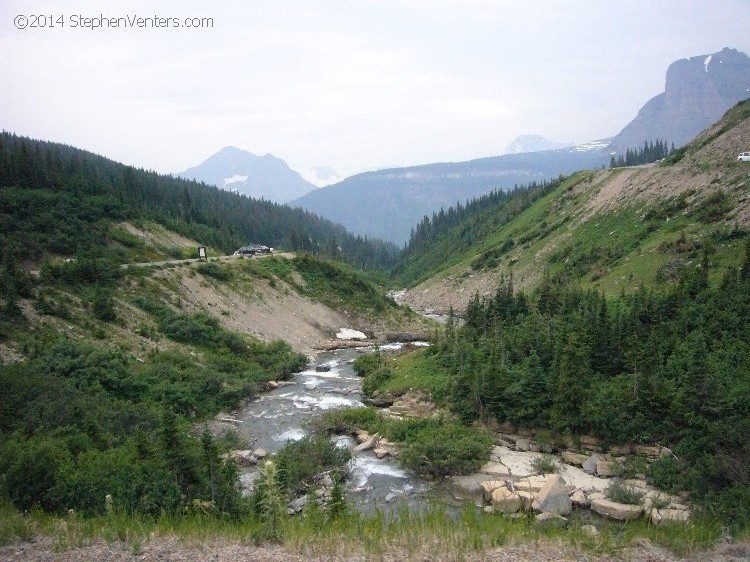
[{"x": 350, "y": 84}]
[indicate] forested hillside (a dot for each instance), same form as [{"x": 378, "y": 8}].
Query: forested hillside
[{"x": 56, "y": 200}]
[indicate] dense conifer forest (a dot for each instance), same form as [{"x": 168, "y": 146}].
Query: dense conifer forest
[
  {"x": 59, "y": 200},
  {"x": 669, "y": 365}
]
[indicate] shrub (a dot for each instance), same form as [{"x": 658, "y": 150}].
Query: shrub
[
  {"x": 103, "y": 306},
  {"x": 544, "y": 465},
  {"x": 348, "y": 420},
  {"x": 618, "y": 492},
  {"x": 374, "y": 380},
  {"x": 445, "y": 448},
  {"x": 215, "y": 271},
  {"x": 367, "y": 363},
  {"x": 299, "y": 461},
  {"x": 667, "y": 475},
  {"x": 34, "y": 471}
]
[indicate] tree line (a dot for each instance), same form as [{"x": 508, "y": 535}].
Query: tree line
[{"x": 646, "y": 154}]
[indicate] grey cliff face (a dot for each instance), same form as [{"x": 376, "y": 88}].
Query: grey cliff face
[{"x": 698, "y": 91}]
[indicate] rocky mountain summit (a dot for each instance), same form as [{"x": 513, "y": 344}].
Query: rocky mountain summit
[
  {"x": 243, "y": 172},
  {"x": 697, "y": 92}
]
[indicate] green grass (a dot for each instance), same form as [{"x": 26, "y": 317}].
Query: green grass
[
  {"x": 405, "y": 535},
  {"x": 418, "y": 370}
]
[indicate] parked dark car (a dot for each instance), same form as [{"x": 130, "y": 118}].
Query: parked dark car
[{"x": 252, "y": 249}]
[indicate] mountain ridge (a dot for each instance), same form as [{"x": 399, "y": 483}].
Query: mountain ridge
[{"x": 261, "y": 177}]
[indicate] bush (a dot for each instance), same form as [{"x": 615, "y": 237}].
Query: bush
[
  {"x": 375, "y": 380},
  {"x": 35, "y": 469},
  {"x": 367, "y": 363},
  {"x": 299, "y": 461},
  {"x": 348, "y": 420},
  {"x": 544, "y": 465},
  {"x": 446, "y": 448},
  {"x": 215, "y": 271},
  {"x": 196, "y": 329},
  {"x": 103, "y": 306},
  {"x": 617, "y": 492},
  {"x": 667, "y": 475}
]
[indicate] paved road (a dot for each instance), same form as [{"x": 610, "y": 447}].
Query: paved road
[{"x": 232, "y": 257}]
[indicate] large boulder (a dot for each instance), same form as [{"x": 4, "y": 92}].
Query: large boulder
[
  {"x": 616, "y": 511},
  {"x": 578, "y": 499},
  {"x": 553, "y": 497},
  {"x": 489, "y": 486},
  {"x": 370, "y": 443},
  {"x": 589, "y": 465},
  {"x": 505, "y": 501},
  {"x": 531, "y": 483},
  {"x": 243, "y": 458}
]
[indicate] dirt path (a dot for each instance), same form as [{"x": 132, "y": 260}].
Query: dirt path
[{"x": 43, "y": 549}]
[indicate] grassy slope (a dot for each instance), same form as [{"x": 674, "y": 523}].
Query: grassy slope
[{"x": 618, "y": 229}]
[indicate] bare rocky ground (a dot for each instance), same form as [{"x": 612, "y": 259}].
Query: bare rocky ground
[{"x": 165, "y": 549}]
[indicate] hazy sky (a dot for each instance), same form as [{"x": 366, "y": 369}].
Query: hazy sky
[{"x": 351, "y": 84}]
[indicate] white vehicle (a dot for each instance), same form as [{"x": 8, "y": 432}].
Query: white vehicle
[{"x": 744, "y": 157}]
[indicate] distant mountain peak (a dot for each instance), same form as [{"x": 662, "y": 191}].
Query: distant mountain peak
[
  {"x": 238, "y": 170},
  {"x": 533, "y": 143},
  {"x": 322, "y": 176}
]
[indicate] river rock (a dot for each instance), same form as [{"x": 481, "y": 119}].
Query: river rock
[
  {"x": 489, "y": 486},
  {"x": 381, "y": 452},
  {"x": 578, "y": 499},
  {"x": 589, "y": 465},
  {"x": 553, "y": 497},
  {"x": 531, "y": 483},
  {"x": 362, "y": 436},
  {"x": 260, "y": 453},
  {"x": 471, "y": 484},
  {"x": 505, "y": 501},
  {"x": 664, "y": 516},
  {"x": 576, "y": 459},
  {"x": 322, "y": 368},
  {"x": 297, "y": 505},
  {"x": 547, "y": 519},
  {"x": 606, "y": 468},
  {"x": 371, "y": 443},
  {"x": 528, "y": 499},
  {"x": 496, "y": 453},
  {"x": 614, "y": 510},
  {"x": 243, "y": 458},
  {"x": 272, "y": 385}
]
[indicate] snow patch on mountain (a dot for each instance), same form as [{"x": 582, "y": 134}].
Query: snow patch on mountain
[
  {"x": 236, "y": 178},
  {"x": 322, "y": 176}
]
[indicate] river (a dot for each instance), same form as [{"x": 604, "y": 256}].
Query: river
[{"x": 282, "y": 415}]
